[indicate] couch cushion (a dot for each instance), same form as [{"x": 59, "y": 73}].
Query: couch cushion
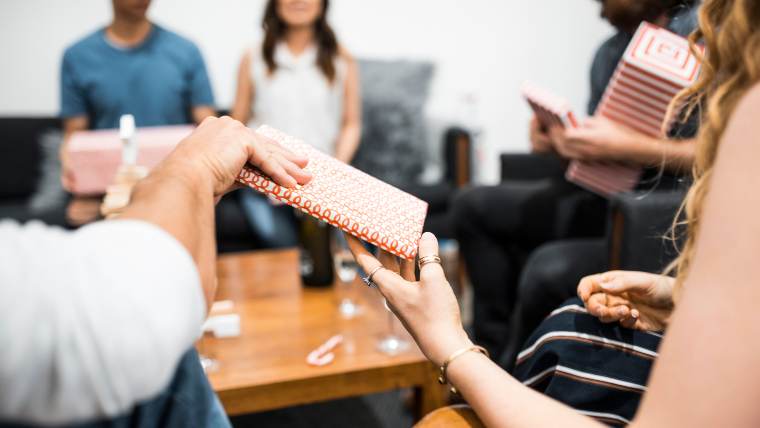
[
  {"x": 394, "y": 94},
  {"x": 20, "y": 154}
]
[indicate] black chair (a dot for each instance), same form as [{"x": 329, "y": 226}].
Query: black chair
[
  {"x": 457, "y": 162},
  {"x": 531, "y": 166},
  {"x": 21, "y": 165},
  {"x": 639, "y": 230},
  {"x": 639, "y": 223}
]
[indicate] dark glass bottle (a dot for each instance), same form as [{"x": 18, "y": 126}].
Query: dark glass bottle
[{"x": 316, "y": 258}]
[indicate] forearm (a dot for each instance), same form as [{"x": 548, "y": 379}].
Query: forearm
[
  {"x": 542, "y": 149},
  {"x": 241, "y": 109},
  {"x": 178, "y": 199},
  {"x": 501, "y": 401},
  {"x": 675, "y": 155},
  {"x": 70, "y": 126},
  {"x": 202, "y": 112},
  {"x": 348, "y": 142}
]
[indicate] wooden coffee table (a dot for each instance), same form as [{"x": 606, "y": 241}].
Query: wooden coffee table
[{"x": 282, "y": 322}]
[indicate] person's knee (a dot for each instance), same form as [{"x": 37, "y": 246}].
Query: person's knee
[
  {"x": 462, "y": 203},
  {"x": 552, "y": 272},
  {"x": 467, "y": 206},
  {"x": 548, "y": 266}
]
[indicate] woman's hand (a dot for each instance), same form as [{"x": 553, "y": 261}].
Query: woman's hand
[
  {"x": 540, "y": 140},
  {"x": 428, "y": 308},
  {"x": 597, "y": 138},
  {"x": 638, "y": 300}
]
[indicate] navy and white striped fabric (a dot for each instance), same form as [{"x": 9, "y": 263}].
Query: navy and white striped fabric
[{"x": 601, "y": 370}]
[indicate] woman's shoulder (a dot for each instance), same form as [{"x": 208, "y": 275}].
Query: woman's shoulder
[
  {"x": 345, "y": 55},
  {"x": 750, "y": 102},
  {"x": 252, "y": 56},
  {"x": 746, "y": 113}
]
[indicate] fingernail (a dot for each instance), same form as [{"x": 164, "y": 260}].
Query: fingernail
[
  {"x": 622, "y": 312},
  {"x": 609, "y": 286},
  {"x": 428, "y": 235}
]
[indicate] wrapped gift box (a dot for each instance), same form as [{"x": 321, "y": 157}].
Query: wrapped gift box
[
  {"x": 347, "y": 198},
  {"x": 95, "y": 156},
  {"x": 656, "y": 66},
  {"x": 550, "y": 109}
]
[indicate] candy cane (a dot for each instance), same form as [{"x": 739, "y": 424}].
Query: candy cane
[{"x": 323, "y": 356}]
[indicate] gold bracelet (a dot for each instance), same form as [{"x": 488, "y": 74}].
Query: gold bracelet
[{"x": 442, "y": 378}]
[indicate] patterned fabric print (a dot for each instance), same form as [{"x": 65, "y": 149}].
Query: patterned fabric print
[
  {"x": 601, "y": 370},
  {"x": 347, "y": 198}
]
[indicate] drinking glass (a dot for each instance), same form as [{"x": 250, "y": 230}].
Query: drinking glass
[
  {"x": 346, "y": 269},
  {"x": 391, "y": 343}
]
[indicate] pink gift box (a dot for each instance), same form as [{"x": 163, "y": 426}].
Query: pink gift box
[
  {"x": 655, "y": 67},
  {"x": 95, "y": 156},
  {"x": 550, "y": 109}
]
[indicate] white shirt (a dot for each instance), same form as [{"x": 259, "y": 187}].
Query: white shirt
[
  {"x": 92, "y": 321},
  {"x": 298, "y": 99}
]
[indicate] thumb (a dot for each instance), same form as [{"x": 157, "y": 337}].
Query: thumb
[
  {"x": 621, "y": 282},
  {"x": 576, "y": 134},
  {"x": 428, "y": 247}
]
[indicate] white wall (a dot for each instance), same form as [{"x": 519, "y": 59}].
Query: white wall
[{"x": 483, "y": 49}]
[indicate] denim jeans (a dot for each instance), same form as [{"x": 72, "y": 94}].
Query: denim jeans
[
  {"x": 274, "y": 226},
  {"x": 188, "y": 401}
]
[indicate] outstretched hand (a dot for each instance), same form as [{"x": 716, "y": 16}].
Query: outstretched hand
[
  {"x": 637, "y": 300},
  {"x": 427, "y": 308}
]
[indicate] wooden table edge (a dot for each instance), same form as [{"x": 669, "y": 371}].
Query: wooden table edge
[{"x": 421, "y": 375}]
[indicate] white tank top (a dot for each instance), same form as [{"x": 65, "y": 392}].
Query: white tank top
[{"x": 297, "y": 98}]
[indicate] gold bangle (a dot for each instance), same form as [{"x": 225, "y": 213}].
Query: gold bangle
[{"x": 443, "y": 378}]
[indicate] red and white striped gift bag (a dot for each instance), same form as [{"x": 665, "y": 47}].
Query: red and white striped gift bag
[
  {"x": 347, "y": 198},
  {"x": 655, "y": 67}
]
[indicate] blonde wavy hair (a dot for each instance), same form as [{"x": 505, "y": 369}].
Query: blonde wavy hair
[{"x": 730, "y": 67}]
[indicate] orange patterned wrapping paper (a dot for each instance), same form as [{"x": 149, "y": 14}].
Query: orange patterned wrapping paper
[{"x": 347, "y": 198}]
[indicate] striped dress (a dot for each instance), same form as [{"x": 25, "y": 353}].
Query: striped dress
[{"x": 601, "y": 370}]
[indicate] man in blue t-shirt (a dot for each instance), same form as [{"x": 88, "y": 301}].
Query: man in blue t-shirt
[{"x": 132, "y": 66}]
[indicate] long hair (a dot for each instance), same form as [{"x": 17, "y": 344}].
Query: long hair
[
  {"x": 324, "y": 36},
  {"x": 730, "y": 67}
]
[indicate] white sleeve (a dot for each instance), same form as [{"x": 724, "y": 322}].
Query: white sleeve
[{"x": 92, "y": 321}]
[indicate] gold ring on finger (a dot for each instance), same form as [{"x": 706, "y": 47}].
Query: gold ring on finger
[
  {"x": 368, "y": 279},
  {"x": 428, "y": 259}
]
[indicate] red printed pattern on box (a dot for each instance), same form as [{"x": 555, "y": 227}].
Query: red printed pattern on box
[
  {"x": 347, "y": 198},
  {"x": 655, "y": 67}
]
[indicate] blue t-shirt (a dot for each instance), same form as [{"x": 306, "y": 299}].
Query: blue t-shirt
[{"x": 158, "y": 81}]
